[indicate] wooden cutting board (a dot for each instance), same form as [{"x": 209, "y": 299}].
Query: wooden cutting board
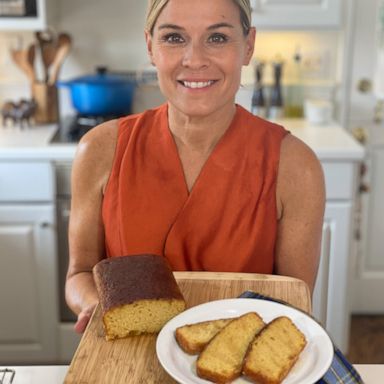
[{"x": 133, "y": 360}]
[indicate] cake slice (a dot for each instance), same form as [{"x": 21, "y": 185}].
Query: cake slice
[
  {"x": 138, "y": 294},
  {"x": 192, "y": 338},
  {"x": 221, "y": 360},
  {"x": 274, "y": 351}
]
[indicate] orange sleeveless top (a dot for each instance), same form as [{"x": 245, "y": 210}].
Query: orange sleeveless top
[{"x": 227, "y": 223}]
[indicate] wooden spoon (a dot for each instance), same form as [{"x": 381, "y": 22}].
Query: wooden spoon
[
  {"x": 48, "y": 47},
  {"x": 31, "y": 58},
  {"x": 24, "y": 58},
  {"x": 64, "y": 43}
]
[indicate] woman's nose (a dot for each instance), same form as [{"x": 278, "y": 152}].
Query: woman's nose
[{"x": 195, "y": 56}]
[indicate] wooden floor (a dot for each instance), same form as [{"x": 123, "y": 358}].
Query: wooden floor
[{"x": 366, "y": 340}]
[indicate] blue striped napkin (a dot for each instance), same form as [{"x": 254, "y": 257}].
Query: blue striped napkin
[{"x": 341, "y": 370}]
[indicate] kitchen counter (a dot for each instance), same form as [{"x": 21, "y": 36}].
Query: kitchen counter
[
  {"x": 55, "y": 374},
  {"x": 329, "y": 142},
  {"x": 34, "y": 143}
]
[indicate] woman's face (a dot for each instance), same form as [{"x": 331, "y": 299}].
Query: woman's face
[{"x": 199, "y": 49}]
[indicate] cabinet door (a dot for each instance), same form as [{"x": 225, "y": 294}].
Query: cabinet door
[
  {"x": 28, "y": 319},
  {"x": 296, "y": 14},
  {"x": 368, "y": 279},
  {"x": 337, "y": 225}
]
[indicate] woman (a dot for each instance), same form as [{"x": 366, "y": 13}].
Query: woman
[{"x": 198, "y": 180}]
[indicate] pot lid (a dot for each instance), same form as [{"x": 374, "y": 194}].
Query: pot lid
[{"x": 101, "y": 77}]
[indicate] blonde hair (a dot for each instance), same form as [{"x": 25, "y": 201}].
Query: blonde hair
[{"x": 156, "y": 6}]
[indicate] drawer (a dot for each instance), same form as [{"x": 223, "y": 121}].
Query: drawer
[
  {"x": 340, "y": 180},
  {"x": 26, "y": 182}
]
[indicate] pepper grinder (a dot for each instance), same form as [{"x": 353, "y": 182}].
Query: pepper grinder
[
  {"x": 258, "y": 101},
  {"x": 276, "y": 105}
]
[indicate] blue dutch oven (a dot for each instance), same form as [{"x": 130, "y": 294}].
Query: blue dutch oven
[{"x": 101, "y": 94}]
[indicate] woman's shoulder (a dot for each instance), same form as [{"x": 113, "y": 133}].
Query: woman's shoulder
[
  {"x": 100, "y": 141},
  {"x": 95, "y": 152},
  {"x": 96, "y": 149},
  {"x": 297, "y": 158},
  {"x": 300, "y": 173}
]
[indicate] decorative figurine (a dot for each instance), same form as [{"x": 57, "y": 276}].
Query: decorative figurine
[{"x": 19, "y": 113}]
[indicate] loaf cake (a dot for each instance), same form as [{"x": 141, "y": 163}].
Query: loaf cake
[
  {"x": 274, "y": 351},
  {"x": 138, "y": 294},
  {"x": 221, "y": 361},
  {"x": 192, "y": 338}
]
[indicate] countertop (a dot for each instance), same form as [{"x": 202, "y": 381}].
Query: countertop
[
  {"x": 329, "y": 142},
  {"x": 55, "y": 374},
  {"x": 34, "y": 143}
]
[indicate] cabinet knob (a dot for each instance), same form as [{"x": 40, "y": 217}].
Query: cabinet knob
[
  {"x": 45, "y": 224},
  {"x": 364, "y": 86},
  {"x": 364, "y": 188},
  {"x": 360, "y": 134}
]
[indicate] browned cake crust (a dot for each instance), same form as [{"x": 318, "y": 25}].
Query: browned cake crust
[{"x": 127, "y": 279}]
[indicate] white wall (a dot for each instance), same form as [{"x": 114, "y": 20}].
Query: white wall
[{"x": 104, "y": 33}]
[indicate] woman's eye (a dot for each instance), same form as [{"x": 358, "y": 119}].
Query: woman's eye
[
  {"x": 173, "y": 38},
  {"x": 218, "y": 38}
]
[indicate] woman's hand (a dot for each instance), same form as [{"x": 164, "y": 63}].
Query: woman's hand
[{"x": 83, "y": 318}]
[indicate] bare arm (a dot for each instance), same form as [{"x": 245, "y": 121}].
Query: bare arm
[
  {"x": 90, "y": 172},
  {"x": 301, "y": 202}
]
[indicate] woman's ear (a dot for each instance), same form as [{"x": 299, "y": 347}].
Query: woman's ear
[
  {"x": 250, "y": 45},
  {"x": 148, "y": 40}
]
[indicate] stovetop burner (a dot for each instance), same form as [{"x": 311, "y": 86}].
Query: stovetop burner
[{"x": 72, "y": 129}]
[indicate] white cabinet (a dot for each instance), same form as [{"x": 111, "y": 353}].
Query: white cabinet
[
  {"x": 45, "y": 16},
  {"x": 28, "y": 266},
  {"x": 297, "y": 14},
  {"x": 331, "y": 304}
]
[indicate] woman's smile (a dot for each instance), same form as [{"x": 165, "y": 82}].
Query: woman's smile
[{"x": 197, "y": 84}]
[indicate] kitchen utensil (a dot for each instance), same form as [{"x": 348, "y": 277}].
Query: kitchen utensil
[
  {"x": 24, "y": 58},
  {"x": 64, "y": 43},
  {"x": 101, "y": 94},
  {"x": 48, "y": 47},
  {"x": 31, "y": 54}
]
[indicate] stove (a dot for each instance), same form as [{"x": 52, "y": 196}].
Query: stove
[{"x": 73, "y": 128}]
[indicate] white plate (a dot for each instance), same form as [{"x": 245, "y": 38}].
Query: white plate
[{"x": 312, "y": 364}]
